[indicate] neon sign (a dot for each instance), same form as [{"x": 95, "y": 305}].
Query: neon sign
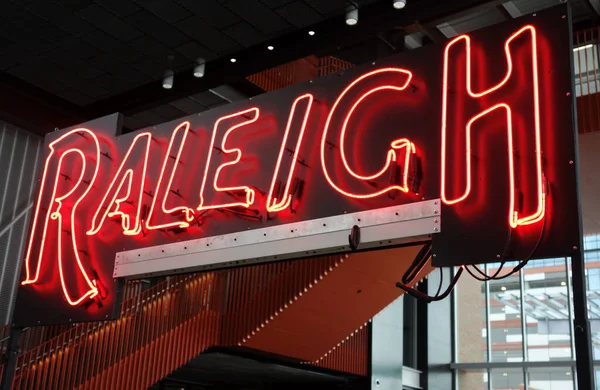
[{"x": 378, "y": 136}]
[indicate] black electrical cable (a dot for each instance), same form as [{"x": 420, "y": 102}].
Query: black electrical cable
[{"x": 428, "y": 298}]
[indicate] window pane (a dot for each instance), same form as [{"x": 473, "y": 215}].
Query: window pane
[
  {"x": 547, "y": 313},
  {"x": 505, "y": 316},
  {"x": 470, "y": 317},
  {"x": 473, "y": 380},
  {"x": 508, "y": 379},
  {"x": 551, "y": 378}
]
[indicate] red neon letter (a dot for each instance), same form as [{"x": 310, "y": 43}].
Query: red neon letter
[
  {"x": 112, "y": 208},
  {"x": 457, "y": 132},
  {"x": 249, "y": 193},
  {"x": 274, "y": 204},
  {"x": 402, "y": 77},
  {"x": 162, "y": 192},
  {"x": 89, "y": 169}
]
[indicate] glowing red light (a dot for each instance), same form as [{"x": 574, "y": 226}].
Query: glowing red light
[
  {"x": 55, "y": 204},
  {"x": 113, "y": 207},
  {"x": 253, "y": 113},
  {"x": 163, "y": 193},
  {"x": 396, "y": 145},
  {"x": 514, "y": 219},
  {"x": 274, "y": 204}
]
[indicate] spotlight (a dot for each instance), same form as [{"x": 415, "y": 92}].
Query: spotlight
[
  {"x": 233, "y": 60},
  {"x": 351, "y": 16},
  {"x": 168, "y": 80},
  {"x": 399, "y": 4},
  {"x": 199, "y": 69},
  {"x": 270, "y": 47},
  {"x": 311, "y": 33}
]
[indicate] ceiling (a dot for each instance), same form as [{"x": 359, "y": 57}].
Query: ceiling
[{"x": 73, "y": 60}]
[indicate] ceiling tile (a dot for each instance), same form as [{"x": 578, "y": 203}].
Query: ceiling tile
[
  {"x": 74, "y": 5},
  {"x": 212, "y": 38},
  {"x": 277, "y": 3},
  {"x": 330, "y": 6},
  {"x": 258, "y": 14},
  {"x": 167, "y": 10},
  {"x": 60, "y": 17},
  {"x": 212, "y": 12},
  {"x": 193, "y": 51},
  {"x": 109, "y": 23},
  {"x": 299, "y": 14},
  {"x": 75, "y": 96},
  {"x": 245, "y": 34},
  {"x": 110, "y": 45},
  {"x": 121, "y": 8},
  {"x": 158, "y": 28}
]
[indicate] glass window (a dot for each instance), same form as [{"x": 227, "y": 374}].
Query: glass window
[
  {"x": 550, "y": 378},
  {"x": 507, "y": 379},
  {"x": 506, "y": 327},
  {"x": 586, "y": 71},
  {"x": 471, "y": 320},
  {"x": 472, "y": 380},
  {"x": 546, "y": 308}
]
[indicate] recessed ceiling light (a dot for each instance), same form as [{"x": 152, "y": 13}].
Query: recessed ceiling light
[
  {"x": 270, "y": 47},
  {"x": 563, "y": 283},
  {"x": 311, "y": 33},
  {"x": 233, "y": 60},
  {"x": 399, "y": 4},
  {"x": 503, "y": 288}
]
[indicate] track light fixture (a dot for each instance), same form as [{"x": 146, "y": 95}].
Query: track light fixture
[
  {"x": 200, "y": 68},
  {"x": 168, "y": 79},
  {"x": 351, "y": 15},
  {"x": 399, "y": 4}
]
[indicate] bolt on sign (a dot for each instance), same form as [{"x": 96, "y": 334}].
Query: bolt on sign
[{"x": 470, "y": 144}]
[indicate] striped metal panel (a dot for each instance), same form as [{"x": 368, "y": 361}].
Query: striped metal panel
[
  {"x": 351, "y": 355},
  {"x": 20, "y": 152},
  {"x": 165, "y": 326}
]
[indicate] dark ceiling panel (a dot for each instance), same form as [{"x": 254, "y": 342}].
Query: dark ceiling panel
[
  {"x": 207, "y": 99},
  {"x": 258, "y": 14},
  {"x": 299, "y": 14},
  {"x": 245, "y": 34},
  {"x": 198, "y": 29},
  {"x": 76, "y": 48},
  {"x": 330, "y": 6},
  {"x": 157, "y": 52},
  {"x": 74, "y": 5},
  {"x": 149, "y": 117},
  {"x": 278, "y": 3},
  {"x": 170, "y": 11},
  {"x": 78, "y": 97},
  {"x": 121, "y": 8},
  {"x": 61, "y": 17},
  {"x": 188, "y": 106},
  {"x": 193, "y": 51},
  {"x": 212, "y": 12},
  {"x": 120, "y": 51},
  {"x": 109, "y": 23},
  {"x": 169, "y": 112},
  {"x": 133, "y": 123},
  {"x": 158, "y": 28}
]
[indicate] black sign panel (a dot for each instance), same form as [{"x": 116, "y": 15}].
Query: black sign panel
[{"x": 483, "y": 124}]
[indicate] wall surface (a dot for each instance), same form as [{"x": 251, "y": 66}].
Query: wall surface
[{"x": 20, "y": 152}]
